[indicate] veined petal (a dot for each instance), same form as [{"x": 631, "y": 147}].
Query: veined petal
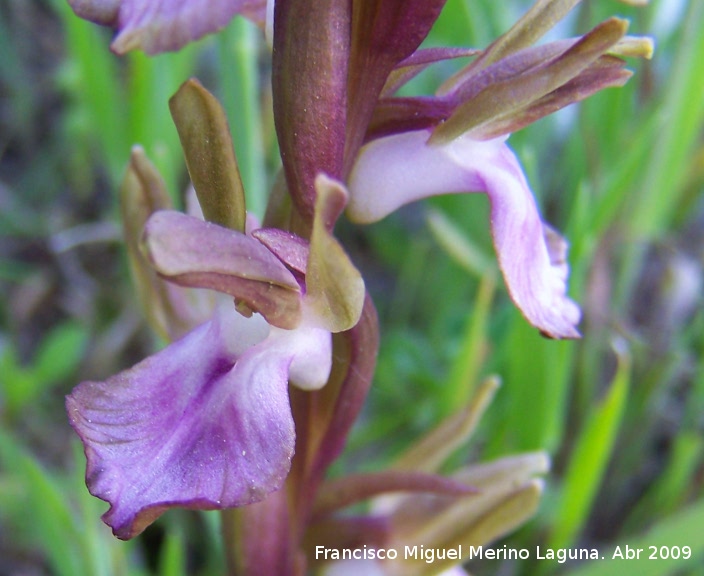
[
  {"x": 190, "y": 252},
  {"x": 205, "y": 423},
  {"x": 396, "y": 170},
  {"x": 160, "y": 25}
]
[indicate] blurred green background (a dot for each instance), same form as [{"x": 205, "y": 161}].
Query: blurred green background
[{"x": 621, "y": 412}]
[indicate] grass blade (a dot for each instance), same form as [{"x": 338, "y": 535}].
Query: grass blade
[{"x": 591, "y": 455}]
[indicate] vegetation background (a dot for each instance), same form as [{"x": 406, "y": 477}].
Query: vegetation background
[{"x": 621, "y": 412}]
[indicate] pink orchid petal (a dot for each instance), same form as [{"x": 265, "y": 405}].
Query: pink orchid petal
[
  {"x": 161, "y": 25},
  {"x": 190, "y": 252},
  {"x": 205, "y": 423},
  {"x": 396, "y": 170}
]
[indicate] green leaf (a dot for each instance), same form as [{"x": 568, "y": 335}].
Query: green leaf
[
  {"x": 58, "y": 355},
  {"x": 172, "y": 561},
  {"x": 675, "y": 532},
  {"x": 60, "y": 352},
  {"x": 152, "y": 81},
  {"x": 664, "y": 175},
  {"x": 536, "y": 376},
  {"x": 47, "y": 508},
  {"x": 96, "y": 91},
  {"x": 671, "y": 489},
  {"x": 590, "y": 456},
  {"x": 460, "y": 248},
  {"x": 18, "y": 384}
]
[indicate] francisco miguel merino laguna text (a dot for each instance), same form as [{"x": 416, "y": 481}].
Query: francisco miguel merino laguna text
[{"x": 430, "y": 555}]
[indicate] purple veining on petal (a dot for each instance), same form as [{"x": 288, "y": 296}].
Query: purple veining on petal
[
  {"x": 396, "y": 170},
  {"x": 205, "y": 423}
]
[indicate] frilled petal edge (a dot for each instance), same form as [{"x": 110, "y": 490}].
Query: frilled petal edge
[
  {"x": 205, "y": 423},
  {"x": 399, "y": 169}
]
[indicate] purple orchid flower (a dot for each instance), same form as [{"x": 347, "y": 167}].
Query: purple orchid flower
[
  {"x": 455, "y": 142},
  {"x": 206, "y": 422}
]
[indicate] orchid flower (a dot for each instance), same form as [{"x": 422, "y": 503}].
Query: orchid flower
[
  {"x": 206, "y": 422},
  {"x": 335, "y": 111},
  {"x": 456, "y": 142},
  {"x": 212, "y": 421}
]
